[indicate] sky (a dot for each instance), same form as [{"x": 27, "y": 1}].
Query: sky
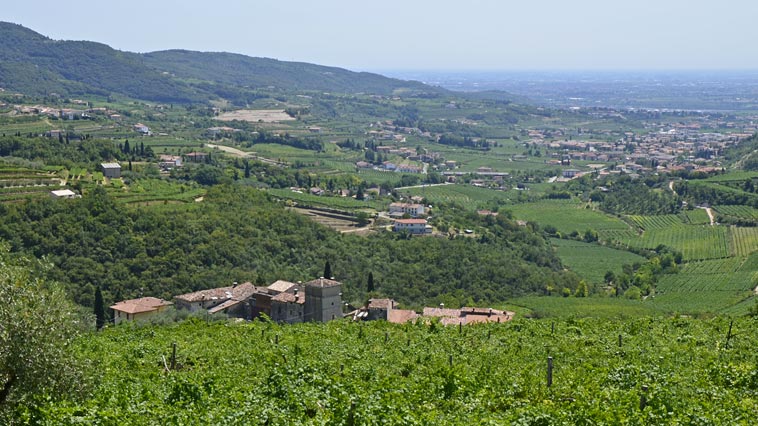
[{"x": 421, "y": 34}]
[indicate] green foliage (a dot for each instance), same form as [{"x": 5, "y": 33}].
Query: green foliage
[
  {"x": 37, "y": 326},
  {"x": 239, "y": 234},
  {"x": 378, "y": 373},
  {"x": 628, "y": 196}
]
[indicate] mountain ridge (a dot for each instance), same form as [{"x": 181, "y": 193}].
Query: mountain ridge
[{"x": 35, "y": 64}]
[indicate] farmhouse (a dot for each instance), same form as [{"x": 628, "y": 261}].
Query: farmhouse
[
  {"x": 196, "y": 157},
  {"x": 111, "y": 170},
  {"x": 414, "y": 226},
  {"x": 141, "y": 129},
  {"x": 400, "y": 209},
  {"x": 168, "y": 162},
  {"x": 138, "y": 309}
]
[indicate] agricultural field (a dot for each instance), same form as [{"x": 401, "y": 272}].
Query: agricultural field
[
  {"x": 379, "y": 373},
  {"x": 151, "y": 191},
  {"x": 567, "y": 216},
  {"x": 592, "y": 261},
  {"x": 695, "y": 242},
  {"x": 739, "y": 212},
  {"x": 744, "y": 241},
  {"x": 582, "y": 307},
  {"x": 347, "y": 203},
  {"x": 469, "y": 196}
]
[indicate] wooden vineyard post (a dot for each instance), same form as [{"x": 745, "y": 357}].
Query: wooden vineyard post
[
  {"x": 549, "y": 371},
  {"x": 643, "y": 397},
  {"x": 173, "y": 356}
]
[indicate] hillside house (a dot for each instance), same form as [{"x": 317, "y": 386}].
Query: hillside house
[
  {"x": 142, "y": 129},
  {"x": 414, "y": 226},
  {"x": 168, "y": 162},
  {"x": 138, "y": 309},
  {"x": 400, "y": 209},
  {"x": 111, "y": 170}
]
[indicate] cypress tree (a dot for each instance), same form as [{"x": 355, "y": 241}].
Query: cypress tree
[
  {"x": 327, "y": 270},
  {"x": 370, "y": 284},
  {"x": 99, "y": 309}
]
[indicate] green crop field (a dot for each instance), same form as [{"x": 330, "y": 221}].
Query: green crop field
[
  {"x": 744, "y": 241},
  {"x": 567, "y": 216},
  {"x": 595, "y": 307},
  {"x": 696, "y": 217},
  {"x": 383, "y": 374},
  {"x": 656, "y": 222},
  {"x": 740, "y": 212},
  {"x": 591, "y": 261},
  {"x": 695, "y": 242},
  {"x": 469, "y": 196}
]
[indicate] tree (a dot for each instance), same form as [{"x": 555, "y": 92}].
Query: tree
[
  {"x": 37, "y": 327},
  {"x": 327, "y": 270},
  {"x": 99, "y": 309},
  {"x": 370, "y": 284}
]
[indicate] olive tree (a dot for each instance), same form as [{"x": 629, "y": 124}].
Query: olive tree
[{"x": 38, "y": 325}]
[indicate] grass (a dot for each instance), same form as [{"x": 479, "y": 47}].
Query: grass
[{"x": 467, "y": 195}]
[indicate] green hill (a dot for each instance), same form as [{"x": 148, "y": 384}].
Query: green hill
[
  {"x": 33, "y": 64},
  {"x": 239, "y": 70}
]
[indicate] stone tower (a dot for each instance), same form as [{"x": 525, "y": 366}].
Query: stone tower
[{"x": 323, "y": 300}]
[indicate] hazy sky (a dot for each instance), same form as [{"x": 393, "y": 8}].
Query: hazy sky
[{"x": 420, "y": 34}]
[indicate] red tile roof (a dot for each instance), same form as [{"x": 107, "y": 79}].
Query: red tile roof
[
  {"x": 143, "y": 304},
  {"x": 239, "y": 292}
]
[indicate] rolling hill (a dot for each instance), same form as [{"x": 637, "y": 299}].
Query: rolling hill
[{"x": 34, "y": 64}]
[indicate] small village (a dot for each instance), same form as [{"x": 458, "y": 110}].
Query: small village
[{"x": 319, "y": 300}]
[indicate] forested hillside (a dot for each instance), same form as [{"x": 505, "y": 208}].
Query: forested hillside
[
  {"x": 244, "y": 71},
  {"x": 238, "y": 234},
  {"x": 36, "y": 65}
]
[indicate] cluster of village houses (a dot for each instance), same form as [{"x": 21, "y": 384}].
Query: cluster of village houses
[{"x": 319, "y": 300}]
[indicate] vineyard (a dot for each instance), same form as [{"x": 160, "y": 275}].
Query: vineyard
[
  {"x": 695, "y": 242},
  {"x": 634, "y": 371},
  {"x": 591, "y": 261},
  {"x": 740, "y": 212}
]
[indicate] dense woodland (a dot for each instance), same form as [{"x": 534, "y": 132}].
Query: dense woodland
[{"x": 239, "y": 234}]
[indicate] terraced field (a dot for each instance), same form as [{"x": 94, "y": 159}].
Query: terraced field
[{"x": 326, "y": 201}]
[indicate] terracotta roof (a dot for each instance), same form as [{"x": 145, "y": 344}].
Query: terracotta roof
[
  {"x": 288, "y": 298},
  {"x": 381, "y": 303},
  {"x": 401, "y": 316},
  {"x": 323, "y": 283},
  {"x": 239, "y": 292},
  {"x": 442, "y": 312},
  {"x": 281, "y": 286},
  {"x": 228, "y": 304},
  {"x": 144, "y": 304}
]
